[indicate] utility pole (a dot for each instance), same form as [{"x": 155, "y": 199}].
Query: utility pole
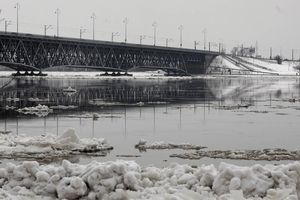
[
  {"x": 7, "y": 23},
  {"x": 93, "y": 17},
  {"x": 141, "y": 39},
  {"x": 154, "y": 25},
  {"x": 17, "y": 6},
  {"x": 180, "y": 28},
  {"x": 57, "y": 12},
  {"x": 47, "y": 27},
  {"x": 292, "y": 54},
  {"x": 81, "y": 32},
  {"x": 271, "y": 52},
  {"x": 125, "y": 21},
  {"x": 256, "y": 48}
]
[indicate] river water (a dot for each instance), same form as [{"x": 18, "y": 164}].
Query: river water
[{"x": 217, "y": 112}]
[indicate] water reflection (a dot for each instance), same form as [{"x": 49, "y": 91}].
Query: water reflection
[{"x": 92, "y": 94}]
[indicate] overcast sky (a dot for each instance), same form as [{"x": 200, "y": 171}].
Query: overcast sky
[{"x": 273, "y": 23}]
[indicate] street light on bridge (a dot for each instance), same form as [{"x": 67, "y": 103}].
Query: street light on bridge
[
  {"x": 196, "y": 43},
  {"x": 1, "y": 19},
  {"x": 93, "y": 17},
  {"x": 180, "y": 28},
  {"x": 113, "y": 34},
  {"x": 168, "y": 40},
  {"x": 7, "y": 23},
  {"x": 141, "y": 39},
  {"x": 125, "y": 21},
  {"x": 204, "y": 38},
  {"x": 81, "y": 32},
  {"x": 47, "y": 27},
  {"x": 154, "y": 25},
  {"x": 57, "y": 12},
  {"x": 17, "y": 6}
]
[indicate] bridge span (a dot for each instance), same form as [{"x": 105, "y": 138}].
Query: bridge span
[{"x": 28, "y": 52}]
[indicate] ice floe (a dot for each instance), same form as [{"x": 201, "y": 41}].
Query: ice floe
[
  {"x": 49, "y": 147},
  {"x": 124, "y": 180},
  {"x": 142, "y": 145},
  {"x": 266, "y": 154}
]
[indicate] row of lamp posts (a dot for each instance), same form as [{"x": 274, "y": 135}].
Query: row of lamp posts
[{"x": 114, "y": 34}]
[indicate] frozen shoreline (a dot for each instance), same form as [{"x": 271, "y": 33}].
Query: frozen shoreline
[{"x": 122, "y": 180}]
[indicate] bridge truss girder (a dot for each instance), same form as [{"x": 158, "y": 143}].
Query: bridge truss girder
[{"x": 39, "y": 53}]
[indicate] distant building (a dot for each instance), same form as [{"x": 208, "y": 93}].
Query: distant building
[{"x": 243, "y": 51}]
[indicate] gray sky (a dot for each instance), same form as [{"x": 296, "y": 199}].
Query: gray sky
[{"x": 270, "y": 22}]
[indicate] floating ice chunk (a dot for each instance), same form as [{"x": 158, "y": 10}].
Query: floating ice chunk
[{"x": 143, "y": 146}]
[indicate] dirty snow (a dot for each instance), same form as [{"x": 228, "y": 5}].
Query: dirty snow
[{"x": 121, "y": 180}]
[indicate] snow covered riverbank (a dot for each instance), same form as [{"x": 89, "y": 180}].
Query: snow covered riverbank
[{"x": 122, "y": 180}]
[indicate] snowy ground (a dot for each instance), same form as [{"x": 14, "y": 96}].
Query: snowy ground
[
  {"x": 122, "y": 180},
  {"x": 245, "y": 65}
]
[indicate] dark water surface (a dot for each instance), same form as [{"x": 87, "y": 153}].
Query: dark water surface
[{"x": 220, "y": 113}]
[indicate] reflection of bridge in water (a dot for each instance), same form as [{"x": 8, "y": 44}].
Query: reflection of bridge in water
[{"x": 24, "y": 93}]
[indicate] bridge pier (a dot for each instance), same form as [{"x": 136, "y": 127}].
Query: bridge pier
[
  {"x": 29, "y": 73},
  {"x": 116, "y": 74}
]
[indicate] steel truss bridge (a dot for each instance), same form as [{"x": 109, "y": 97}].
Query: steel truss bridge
[{"x": 27, "y": 52}]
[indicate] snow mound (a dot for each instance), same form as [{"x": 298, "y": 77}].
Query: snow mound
[
  {"x": 143, "y": 146},
  {"x": 50, "y": 146},
  {"x": 122, "y": 180}
]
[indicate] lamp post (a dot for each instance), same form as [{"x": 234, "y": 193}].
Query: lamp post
[
  {"x": 93, "y": 17},
  {"x": 17, "y": 6},
  {"x": 125, "y": 21},
  {"x": 57, "y": 12},
  {"x": 180, "y": 28},
  {"x": 47, "y": 27},
  {"x": 168, "y": 40},
  {"x": 204, "y": 38},
  {"x": 7, "y": 23},
  {"x": 154, "y": 25},
  {"x": 81, "y": 32},
  {"x": 141, "y": 39},
  {"x": 113, "y": 34},
  {"x": 196, "y": 43}
]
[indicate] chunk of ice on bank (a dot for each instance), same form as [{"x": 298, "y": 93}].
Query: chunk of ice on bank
[{"x": 127, "y": 180}]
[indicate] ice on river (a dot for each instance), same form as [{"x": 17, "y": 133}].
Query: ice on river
[
  {"x": 121, "y": 180},
  {"x": 49, "y": 146}
]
